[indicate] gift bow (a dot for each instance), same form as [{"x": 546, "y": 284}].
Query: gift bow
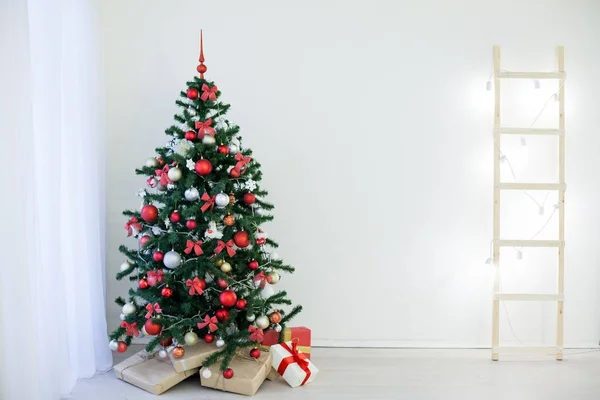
[
  {"x": 152, "y": 309},
  {"x": 211, "y": 322},
  {"x": 131, "y": 225},
  {"x": 130, "y": 329},
  {"x": 210, "y": 202},
  {"x": 242, "y": 163},
  {"x": 195, "y": 246},
  {"x": 155, "y": 277},
  {"x": 209, "y": 93},
  {"x": 163, "y": 174},
  {"x": 205, "y": 128},
  {"x": 256, "y": 335},
  {"x": 295, "y": 357},
  {"x": 222, "y": 245},
  {"x": 195, "y": 286},
  {"x": 262, "y": 278}
]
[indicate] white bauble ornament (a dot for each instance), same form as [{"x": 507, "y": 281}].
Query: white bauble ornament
[
  {"x": 122, "y": 317},
  {"x": 274, "y": 277},
  {"x": 274, "y": 256},
  {"x": 125, "y": 266},
  {"x": 192, "y": 194},
  {"x": 172, "y": 259},
  {"x": 175, "y": 174},
  {"x": 233, "y": 149},
  {"x": 206, "y": 374},
  {"x": 143, "y": 330},
  {"x": 277, "y": 328},
  {"x": 250, "y": 317},
  {"x": 220, "y": 343},
  {"x": 113, "y": 345},
  {"x": 152, "y": 162},
  {"x": 263, "y": 322},
  {"x": 225, "y": 267},
  {"x": 207, "y": 139},
  {"x": 161, "y": 188},
  {"x": 259, "y": 211},
  {"x": 162, "y": 353},
  {"x": 190, "y": 338},
  {"x": 221, "y": 200},
  {"x": 129, "y": 309},
  {"x": 267, "y": 291}
]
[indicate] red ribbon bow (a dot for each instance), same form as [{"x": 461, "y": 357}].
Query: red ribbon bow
[
  {"x": 262, "y": 278},
  {"x": 222, "y": 245},
  {"x": 196, "y": 286},
  {"x": 195, "y": 246},
  {"x": 155, "y": 277},
  {"x": 163, "y": 174},
  {"x": 131, "y": 225},
  {"x": 152, "y": 309},
  {"x": 130, "y": 329},
  {"x": 205, "y": 128},
  {"x": 209, "y": 93},
  {"x": 242, "y": 163},
  {"x": 210, "y": 202},
  {"x": 295, "y": 357},
  {"x": 256, "y": 335},
  {"x": 211, "y": 322}
]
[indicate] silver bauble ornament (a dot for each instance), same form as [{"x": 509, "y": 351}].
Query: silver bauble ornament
[
  {"x": 220, "y": 343},
  {"x": 233, "y": 149},
  {"x": 152, "y": 162},
  {"x": 162, "y": 353},
  {"x": 250, "y": 317},
  {"x": 172, "y": 259},
  {"x": 225, "y": 267},
  {"x": 175, "y": 174},
  {"x": 263, "y": 322},
  {"x": 122, "y": 317},
  {"x": 206, "y": 374},
  {"x": 274, "y": 277},
  {"x": 259, "y": 211},
  {"x": 190, "y": 338},
  {"x": 277, "y": 328},
  {"x": 192, "y": 194},
  {"x": 161, "y": 188},
  {"x": 125, "y": 266},
  {"x": 221, "y": 200},
  {"x": 207, "y": 139},
  {"x": 113, "y": 345},
  {"x": 129, "y": 309}
]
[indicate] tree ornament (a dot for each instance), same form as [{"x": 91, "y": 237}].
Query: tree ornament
[
  {"x": 162, "y": 353},
  {"x": 203, "y": 167},
  {"x": 222, "y": 283},
  {"x": 191, "y": 224},
  {"x": 228, "y": 220},
  {"x": 143, "y": 330},
  {"x": 221, "y": 200},
  {"x": 152, "y": 182},
  {"x": 274, "y": 276},
  {"x": 144, "y": 240},
  {"x": 267, "y": 291},
  {"x": 121, "y": 346},
  {"x": 233, "y": 149},
  {"x": 277, "y": 328},
  {"x": 122, "y": 317},
  {"x": 175, "y": 174},
  {"x": 209, "y": 338},
  {"x": 178, "y": 352},
  {"x": 275, "y": 317},
  {"x": 219, "y": 262},
  {"x": 227, "y": 298},
  {"x": 263, "y": 322},
  {"x": 241, "y": 304},
  {"x": 250, "y": 317},
  {"x": 260, "y": 237},
  {"x": 158, "y": 256},
  {"x": 143, "y": 284},
  {"x": 190, "y": 135},
  {"x": 220, "y": 343},
  {"x": 166, "y": 292},
  {"x": 152, "y": 328},
  {"x": 228, "y": 373},
  {"x": 208, "y": 139},
  {"x": 241, "y": 239},
  {"x": 255, "y": 353},
  {"x": 128, "y": 309},
  {"x": 124, "y": 266},
  {"x": 222, "y": 314},
  {"x": 172, "y": 259},
  {"x": 226, "y": 267},
  {"x": 259, "y": 211},
  {"x": 249, "y": 198},
  {"x": 190, "y": 339},
  {"x": 152, "y": 162},
  {"x": 175, "y": 216},
  {"x": 149, "y": 213},
  {"x": 167, "y": 342},
  {"x": 231, "y": 199},
  {"x": 192, "y": 93},
  {"x": 113, "y": 345},
  {"x": 253, "y": 265},
  {"x": 234, "y": 173},
  {"x": 192, "y": 194},
  {"x": 223, "y": 149},
  {"x": 274, "y": 256},
  {"x": 161, "y": 188},
  {"x": 206, "y": 374}
]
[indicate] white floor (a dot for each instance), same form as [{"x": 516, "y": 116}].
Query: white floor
[{"x": 400, "y": 374}]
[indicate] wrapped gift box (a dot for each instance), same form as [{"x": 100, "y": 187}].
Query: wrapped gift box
[
  {"x": 299, "y": 333},
  {"x": 194, "y": 356},
  {"x": 248, "y": 375},
  {"x": 292, "y": 364},
  {"x": 151, "y": 373}
]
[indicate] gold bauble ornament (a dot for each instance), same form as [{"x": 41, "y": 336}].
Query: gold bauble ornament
[
  {"x": 190, "y": 338},
  {"x": 219, "y": 262},
  {"x": 225, "y": 267},
  {"x": 178, "y": 352},
  {"x": 274, "y": 277},
  {"x": 228, "y": 220}
]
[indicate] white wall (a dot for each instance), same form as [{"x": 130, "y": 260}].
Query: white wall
[{"x": 373, "y": 126}]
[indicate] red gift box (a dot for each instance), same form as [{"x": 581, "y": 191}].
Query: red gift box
[{"x": 301, "y": 333}]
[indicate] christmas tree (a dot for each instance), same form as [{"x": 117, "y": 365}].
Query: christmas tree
[{"x": 204, "y": 267}]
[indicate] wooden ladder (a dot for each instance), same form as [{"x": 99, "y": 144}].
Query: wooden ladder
[{"x": 499, "y": 75}]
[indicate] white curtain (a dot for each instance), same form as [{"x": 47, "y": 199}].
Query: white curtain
[{"x": 52, "y": 199}]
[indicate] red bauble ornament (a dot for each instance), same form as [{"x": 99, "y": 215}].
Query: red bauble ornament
[
  {"x": 166, "y": 292},
  {"x": 190, "y": 135},
  {"x": 222, "y": 283},
  {"x": 201, "y": 68},
  {"x": 143, "y": 284},
  {"x": 144, "y": 239},
  {"x": 167, "y": 342},
  {"x": 249, "y": 198},
  {"x": 191, "y": 224},
  {"x": 228, "y": 373},
  {"x": 192, "y": 93},
  {"x": 152, "y": 328},
  {"x": 178, "y": 352},
  {"x": 149, "y": 213},
  {"x": 223, "y": 149},
  {"x": 122, "y": 346},
  {"x": 228, "y": 298},
  {"x": 175, "y": 217},
  {"x": 158, "y": 256},
  {"x": 255, "y": 353},
  {"x": 234, "y": 173},
  {"x": 253, "y": 265},
  {"x": 241, "y": 304},
  {"x": 209, "y": 338},
  {"x": 241, "y": 239},
  {"x": 222, "y": 314},
  {"x": 203, "y": 167}
]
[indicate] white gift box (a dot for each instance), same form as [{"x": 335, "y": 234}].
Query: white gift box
[{"x": 286, "y": 360}]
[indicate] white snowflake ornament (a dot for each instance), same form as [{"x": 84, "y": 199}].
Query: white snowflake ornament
[
  {"x": 221, "y": 122},
  {"x": 250, "y": 185},
  {"x": 183, "y": 147},
  {"x": 190, "y": 164},
  {"x": 171, "y": 186}
]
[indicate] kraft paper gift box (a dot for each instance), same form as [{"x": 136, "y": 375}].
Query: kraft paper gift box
[
  {"x": 151, "y": 373},
  {"x": 292, "y": 364},
  {"x": 301, "y": 333},
  {"x": 248, "y": 374},
  {"x": 193, "y": 357}
]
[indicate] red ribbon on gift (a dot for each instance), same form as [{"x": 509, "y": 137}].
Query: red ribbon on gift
[
  {"x": 131, "y": 225},
  {"x": 210, "y": 202},
  {"x": 130, "y": 329},
  {"x": 155, "y": 277},
  {"x": 262, "y": 278},
  {"x": 193, "y": 246},
  {"x": 256, "y": 335},
  {"x": 295, "y": 357},
  {"x": 163, "y": 174},
  {"x": 222, "y": 245},
  {"x": 195, "y": 286},
  {"x": 242, "y": 163},
  {"x": 205, "y": 128},
  {"x": 211, "y": 322},
  {"x": 208, "y": 93},
  {"x": 152, "y": 309}
]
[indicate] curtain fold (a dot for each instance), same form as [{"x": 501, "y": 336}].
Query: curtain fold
[{"x": 52, "y": 293}]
